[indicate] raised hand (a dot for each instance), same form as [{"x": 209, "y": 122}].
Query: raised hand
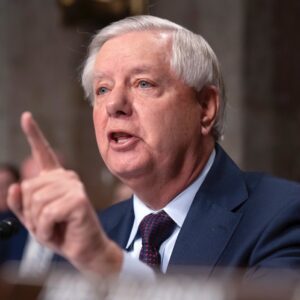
[{"x": 55, "y": 208}]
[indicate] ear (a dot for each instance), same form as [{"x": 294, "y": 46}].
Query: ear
[{"x": 210, "y": 102}]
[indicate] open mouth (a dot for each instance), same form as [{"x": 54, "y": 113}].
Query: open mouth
[{"x": 120, "y": 137}]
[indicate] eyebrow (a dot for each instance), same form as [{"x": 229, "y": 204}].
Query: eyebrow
[
  {"x": 134, "y": 71},
  {"x": 99, "y": 75},
  {"x": 142, "y": 69}
]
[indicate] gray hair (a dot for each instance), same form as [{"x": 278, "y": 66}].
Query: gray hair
[{"x": 192, "y": 59}]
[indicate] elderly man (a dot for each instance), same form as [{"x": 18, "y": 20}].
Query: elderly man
[{"x": 158, "y": 105}]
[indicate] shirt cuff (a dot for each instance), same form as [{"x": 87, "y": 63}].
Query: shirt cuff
[{"x": 134, "y": 269}]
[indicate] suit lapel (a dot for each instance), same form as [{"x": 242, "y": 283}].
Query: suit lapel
[
  {"x": 211, "y": 220},
  {"x": 120, "y": 222}
]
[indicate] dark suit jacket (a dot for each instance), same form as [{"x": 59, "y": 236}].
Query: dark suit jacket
[{"x": 237, "y": 220}]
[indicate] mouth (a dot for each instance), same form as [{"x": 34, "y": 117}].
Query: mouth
[{"x": 120, "y": 137}]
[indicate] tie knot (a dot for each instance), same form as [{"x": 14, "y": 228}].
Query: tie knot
[{"x": 156, "y": 228}]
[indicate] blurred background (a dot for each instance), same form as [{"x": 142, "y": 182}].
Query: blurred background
[{"x": 43, "y": 45}]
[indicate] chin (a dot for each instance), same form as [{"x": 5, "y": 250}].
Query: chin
[{"x": 129, "y": 172}]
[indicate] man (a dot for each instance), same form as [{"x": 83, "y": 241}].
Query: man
[{"x": 158, "y": 104}]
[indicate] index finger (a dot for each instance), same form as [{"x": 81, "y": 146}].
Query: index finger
[{"x": 41, "y": 150}]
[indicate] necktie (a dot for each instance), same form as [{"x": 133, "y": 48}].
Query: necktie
[{"x": 154, "y": 230}]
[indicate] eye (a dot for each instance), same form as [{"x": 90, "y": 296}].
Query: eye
[
  {"x": 145, "y": 84},
  {"x": 101, "y": 90}
]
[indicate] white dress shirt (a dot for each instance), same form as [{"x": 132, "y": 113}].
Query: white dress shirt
[{"x": 177, "y": 209}]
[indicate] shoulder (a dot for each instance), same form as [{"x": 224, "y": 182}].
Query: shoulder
[
  {"x": 258, "y": 188},
  {"x": 271, "y": 202},
  {"x": 254, "y": 193},
  {"x": 272, "y": 189},
  {"x": 271, "y": 217}
]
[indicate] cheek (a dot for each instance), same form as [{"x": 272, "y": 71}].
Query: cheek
[
  {"x": 98, "y": 120},
  {"x": 183, "y": 123},
  {"x": 159, "y": 130}
]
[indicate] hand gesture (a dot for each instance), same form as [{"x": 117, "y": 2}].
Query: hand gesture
[{"x": 55, "y": 208}]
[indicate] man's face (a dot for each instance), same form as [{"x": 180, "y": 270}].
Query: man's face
[{"x": 147, "y": 121}]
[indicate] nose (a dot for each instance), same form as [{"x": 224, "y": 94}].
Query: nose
[{"x": 119, "y": 103}]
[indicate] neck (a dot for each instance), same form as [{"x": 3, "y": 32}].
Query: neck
[{"x": 166, "y": 186}]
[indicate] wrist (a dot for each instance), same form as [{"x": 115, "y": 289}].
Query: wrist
[{"x": 106, "y": 261}]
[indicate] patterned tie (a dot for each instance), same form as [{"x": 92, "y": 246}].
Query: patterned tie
[{"x": 154, "y": 230}]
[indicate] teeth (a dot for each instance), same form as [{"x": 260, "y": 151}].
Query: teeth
[{"x": 120, "y": 137}]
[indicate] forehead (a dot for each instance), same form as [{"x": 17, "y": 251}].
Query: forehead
[{"x": 140, "y": 48}]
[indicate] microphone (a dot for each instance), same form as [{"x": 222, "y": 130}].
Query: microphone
[{"x": 8, "y": 228}]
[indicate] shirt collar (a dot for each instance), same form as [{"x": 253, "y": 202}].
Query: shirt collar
[{"x": 177, "y": 208}]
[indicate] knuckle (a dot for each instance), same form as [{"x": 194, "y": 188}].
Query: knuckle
[
  {"x": 37, "y": 197},
  {"x": 72, "y": 174},
  {"x": 48, "y": 213},
  {"x": 81, "y": 203},
  {"x": 59, "y": 171},
  {"x": 80, "y": 193},
  {"x": 25, "y": 186},
  {"x": 75, "y": 199}
]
